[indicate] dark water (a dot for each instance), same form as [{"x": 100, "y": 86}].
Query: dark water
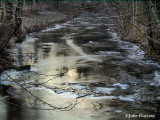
[{"x": 84, "y": 65}]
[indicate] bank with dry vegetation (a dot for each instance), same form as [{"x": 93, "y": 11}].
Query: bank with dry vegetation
[
  {"x": 138, "y": 22},
  {"x": 49, "y": 15}
]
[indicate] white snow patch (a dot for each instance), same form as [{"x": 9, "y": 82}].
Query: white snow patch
[
  {"x": 114, "y": 35},
  {"x": 91, "y": 42},
  {"x": 5, "y": 83},
  {"x": 102, "y": 17},
  {"x": 134, "y": 51},
  {"x": 152, "y": 84},
  {"x": 118, "y": 111},
  {"x": 127, "y": 98},
  {"x": 110, "y": 24},
  {"x": 104, "y": 90},
  {"x": 109, "y": 53},
  {"x": 30, "y": 39},
  {"x": 79, "y": 87},
  {"x": 34, "y": 69},
  {"x": 64, "y": 95},
  {"x": 56, "y": 27},
  {"x": 6, "y": 75},
  {"x": 156, "y": 78},
  {"x": 123, "y": 86},
  {"x": 74, "y": 33},
  {"x": 158, "y": 97},
  {"x": 24, "y": 45},
  {"x": 30, "y": 33},
  {"x": 49, "y": 43},
  {"x": 101, "y": 97}
]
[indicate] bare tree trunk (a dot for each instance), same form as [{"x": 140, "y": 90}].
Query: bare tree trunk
[
  {"x": 149, "y": 27},
  {"x": 10, "y": 23},
  {"x": 155, "y": 14}
]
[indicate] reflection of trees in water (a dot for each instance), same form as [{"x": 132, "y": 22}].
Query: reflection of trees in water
[
  {"x": 35, "y": 51},
  {"x": 46, "y": 52},
  {"x": 26, "y": 56},
  {"x": 14, "y": 109},
  {"x": 158, "y": 110},
  {"x": 20, "y": 56},
  {"x": 17, "y": 111}
]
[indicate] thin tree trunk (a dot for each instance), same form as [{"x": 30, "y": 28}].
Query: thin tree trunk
[
  {"x": 149, "y": 27},
  {"x": 8, "y": 27},
  {"x": 155, "y": 14}
]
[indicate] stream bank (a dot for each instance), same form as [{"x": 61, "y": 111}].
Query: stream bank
[
  {"x": 35, "y": 22},
  {"x": 143, "y": 44}
]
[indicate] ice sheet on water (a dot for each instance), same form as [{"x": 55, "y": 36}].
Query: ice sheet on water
[
  {"x": 44, "y": 88},
  {"x": 24, "y": 45},
  {"x": 103, "y": 90},
  {"x": 49, "y": 43},
  {"x": 63, "y": 94},
  {"x": 79, "y": 87},
  {"x": 6, "y": 83},
  {"x": 136, "y": 53},
  {"x": 130, "y": 98},
  {"x": 133, "y": 50},
  {"x": 68, "y": 95},
  {"x": 85, "y": 23},
  {"x": 158, "y": 97},
  {"x": 109, "y": 53},
  {"x": 110, "y": 24},
  {"x": 101, "y": 97},
  {"x": 123, "y": 86},
  {"x": 91, "y": 42},
  {"x": 114, "y": 35},
  {"x": 10, "y": 74},
  {"x": 56, "y": 27},
  {"x": 30, "y": 39},
  {"x": 34, "y": 69},
  {"x": 156, "y": 78},
  {"x": 118, "y": 111}
]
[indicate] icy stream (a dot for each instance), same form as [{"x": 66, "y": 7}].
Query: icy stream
[{"x": 81, "y": 64}]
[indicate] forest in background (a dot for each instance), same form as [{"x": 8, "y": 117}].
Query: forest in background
[{"x": 137, "y": 21}]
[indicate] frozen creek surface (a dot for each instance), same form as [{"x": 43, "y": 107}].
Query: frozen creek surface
[{"x": 83, "y": 68}]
